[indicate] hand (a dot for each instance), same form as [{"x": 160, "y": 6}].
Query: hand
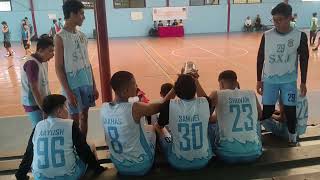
[
  {"x": 95, "y": 93},
  {"x": 194, "y": 74},
  {"x": 259, "y": 87},
  {"x": 303, "y": 89},
  {"x": 72, "y": 99}
]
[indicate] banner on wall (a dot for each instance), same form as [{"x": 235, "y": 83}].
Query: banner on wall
[{"x": 169, "y": 13}]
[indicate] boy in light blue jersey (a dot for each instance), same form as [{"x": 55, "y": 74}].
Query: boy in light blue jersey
[
  {"x": 73, "y": 67},
  {"x": 281, "y": 50},
  {"x": 57, "y": 150},
  {"x": 277, "y": 123},
  {"x": 235, "y": 133},
  {"x": 130, "y": 141},
  {"x": 187, "y": 145}
]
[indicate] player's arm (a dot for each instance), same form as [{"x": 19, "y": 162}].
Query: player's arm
[
  {"x": 213, "y": 118},
  {"x": 141, "y": 109},
  {"x": 59, "y": 63},
  {"x": 259, "y": 110},
  {"x": 214, "y": 98},
  {"x": 26, "y": 162},
  {"x": 60, "y": 70},
  {"x": 200, "y": 91},
  {"x": 83, "y": 150},
  {"x": 260, "y": 62},
  {"x": 303, "y": 52},
  {"x": 32, "y": 70}
]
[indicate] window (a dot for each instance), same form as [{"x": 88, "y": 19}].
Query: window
[
  {"x": 88, "y": 4},
  {"x": 203, "y": 2},
  {"x": 246, "y": 1},
  {"x": 129, "y": 3},
  {"x": 5, "y": 5}
]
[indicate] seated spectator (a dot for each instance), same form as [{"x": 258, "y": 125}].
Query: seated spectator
[
  {"x": 175, "y": 23},
  {"x": 168, "y": 23},
  {"x": 153, "y": 32},
  {"x": 180, "y": 23},
  {"x": 248, "y": 24},
  {"x": 257, "y": 23},
  {"x": 160, "y": 24}
]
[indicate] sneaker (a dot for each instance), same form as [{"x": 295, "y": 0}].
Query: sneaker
[
  {"x": 294, "y": 144},
  {"x": 315, "y": 49},
  {"x": 24, "y": 58},
  {"x": 6, "y": 55}
]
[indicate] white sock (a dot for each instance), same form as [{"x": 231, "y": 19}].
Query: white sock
[{"x": 292, "y": 137}]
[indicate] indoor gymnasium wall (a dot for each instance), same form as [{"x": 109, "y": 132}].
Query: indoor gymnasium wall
[
  {"x": 20, "y": 9},
  {"x": 201, "y": 19}
]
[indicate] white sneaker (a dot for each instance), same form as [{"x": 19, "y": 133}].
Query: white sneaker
[{"x": 24, "y": 58}]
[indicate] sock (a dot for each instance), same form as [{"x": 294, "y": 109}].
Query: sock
[{"x": 292, "y": 137}]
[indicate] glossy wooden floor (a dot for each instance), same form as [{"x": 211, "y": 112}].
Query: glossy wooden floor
[{"x": 155, "y": 61}]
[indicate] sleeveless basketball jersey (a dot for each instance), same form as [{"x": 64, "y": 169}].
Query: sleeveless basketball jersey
[
  {"x": 188, "y": 122},
  {"x": 238, "y": 124},
  {"x": 130, "y": 151},
  {"x": 302, "y": 113},
  {"x": 53, "y": 150},
  {"x": 314, "y": 24},
  {"x": 26, "y": 94},
  {"x": 76, "y": 59},
  {"x": 281, "y": 56}
]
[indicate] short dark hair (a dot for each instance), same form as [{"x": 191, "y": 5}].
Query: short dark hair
[
  {"x": 44, "y": 41},
  {"x": 120, "y": 80},
  {"x": 71, "y": 6},
  {"x": 54, "y": 21},
  {"x": 165, "y": 88},
  {"x": 228, "y": 75},
  {"x": 185, "y": 87},
  {"x": 283, "y": 9},
  {"x": 53, "y": 102},
  {"x": 26, "y": 18},
  {"x": 4, "y": 23},
  {"x": 314, "y": 14}
]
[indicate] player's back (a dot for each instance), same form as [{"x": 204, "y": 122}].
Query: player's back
[
  {"x": 238, "y": 126},
  {"x": 130, "y": 151},
  {"x": 188, "y": 122},
  {"x": 54, "y": 153}
]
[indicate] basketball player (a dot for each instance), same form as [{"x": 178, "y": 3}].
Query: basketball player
[
  {"x": 6, "y": 39},
  {"x": 131, "y": 143},
  {"x": 55, "y": 146},
  {"x": 25, "y": 40},
  {"x": 237, "y": 137},
  {"x": 277, "y": 63},
  {"x": 277, "y": 123},
  {"x": 34, "y": 79},
  {"x": 187, "y": 145},
  {"x": 73, "y": 67}
]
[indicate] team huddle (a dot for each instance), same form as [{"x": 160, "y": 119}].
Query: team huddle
[{"x": 190, "y": 126}]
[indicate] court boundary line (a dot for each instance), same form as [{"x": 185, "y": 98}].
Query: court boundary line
[{"x": 150, "y": 58}]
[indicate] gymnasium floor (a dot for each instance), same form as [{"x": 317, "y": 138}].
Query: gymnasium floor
[{"x": 154, "y": 61}]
